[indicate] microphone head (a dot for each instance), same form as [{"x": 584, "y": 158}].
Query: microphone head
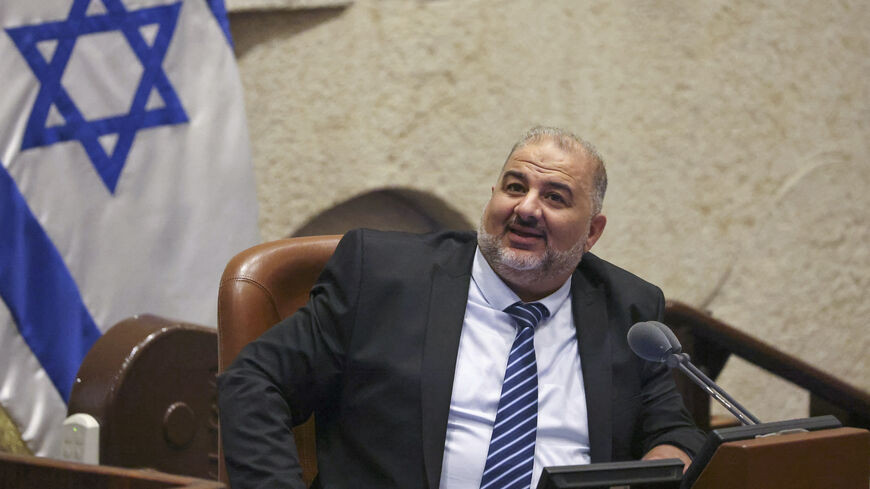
[
  {"x": 676, "y": 347},
  {"x": 653, "y": 341}
]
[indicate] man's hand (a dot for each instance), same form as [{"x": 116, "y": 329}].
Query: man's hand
[{"x": 659, "y": 452}]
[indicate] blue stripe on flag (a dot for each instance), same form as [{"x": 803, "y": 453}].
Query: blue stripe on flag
[
  {"x": 39, "y": 291},
  {"x": 219, "y": 10}
]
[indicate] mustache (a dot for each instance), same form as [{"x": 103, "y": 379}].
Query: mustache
[{"x": 532, "y": 224}]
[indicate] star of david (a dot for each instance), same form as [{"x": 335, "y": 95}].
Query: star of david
[{"x": 142, "y": 115}]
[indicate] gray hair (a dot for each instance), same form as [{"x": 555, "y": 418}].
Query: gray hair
[{"x": 567, "y": 141}]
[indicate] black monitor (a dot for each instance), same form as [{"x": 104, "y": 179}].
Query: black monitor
[
  {"x": 723, "y": 435},
  {"x": 642, "y": 474}
]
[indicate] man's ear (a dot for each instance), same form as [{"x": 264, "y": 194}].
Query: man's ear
[{"x": 596, "y": 229}]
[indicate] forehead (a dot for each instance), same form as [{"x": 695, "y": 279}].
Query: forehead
[{"x": 545, "y": 159}]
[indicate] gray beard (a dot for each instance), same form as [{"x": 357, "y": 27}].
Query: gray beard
[{"x": 524, "y": 267}]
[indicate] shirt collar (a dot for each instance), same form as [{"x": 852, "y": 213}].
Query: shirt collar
[{"x": 498, "y": 295}]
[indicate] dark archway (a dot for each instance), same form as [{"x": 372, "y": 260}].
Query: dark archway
[{"x": 389, "y": 210}]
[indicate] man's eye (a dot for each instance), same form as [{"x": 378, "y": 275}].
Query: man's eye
[
  {"x": 514, "y": 187},
  {"x": 556, "y": 198}
]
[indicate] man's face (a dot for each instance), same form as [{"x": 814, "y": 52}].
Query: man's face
[{"x": 540, "y": 214}]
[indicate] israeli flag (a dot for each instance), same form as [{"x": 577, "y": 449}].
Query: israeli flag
[{"x": 125, "y": 182}]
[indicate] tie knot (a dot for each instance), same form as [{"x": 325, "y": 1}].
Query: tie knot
[{"x": 527, "y": 314}]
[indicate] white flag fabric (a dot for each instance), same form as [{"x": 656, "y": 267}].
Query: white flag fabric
[{"x": 125, "y": 186}]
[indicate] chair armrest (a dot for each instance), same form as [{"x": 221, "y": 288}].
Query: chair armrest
[{"x": 150, "y": 383}]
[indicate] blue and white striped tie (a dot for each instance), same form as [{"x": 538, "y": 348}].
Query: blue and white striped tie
[{"x": 511, "y": 456}]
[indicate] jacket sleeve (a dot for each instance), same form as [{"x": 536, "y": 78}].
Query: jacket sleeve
[{"x": 281, "y": 378}]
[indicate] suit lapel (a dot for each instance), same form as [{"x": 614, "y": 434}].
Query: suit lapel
[
  {"x": 590, "y": 320},
  {"x": 447, "y": 302}
]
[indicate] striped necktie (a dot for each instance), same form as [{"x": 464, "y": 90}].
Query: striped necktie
[{"x": 511, "y": 456}]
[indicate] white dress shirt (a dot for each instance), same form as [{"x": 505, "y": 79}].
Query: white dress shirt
[{"x": 486, "y": 339}]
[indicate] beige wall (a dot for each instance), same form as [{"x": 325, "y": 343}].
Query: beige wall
[{"x": 735, "y": 134}]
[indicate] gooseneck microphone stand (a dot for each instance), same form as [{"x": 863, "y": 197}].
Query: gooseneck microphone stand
[{"x": 683, "y": 362}]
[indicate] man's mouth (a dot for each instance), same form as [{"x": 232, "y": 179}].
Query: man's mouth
[
  {"x": 522, "y": 235},
  {"x": 526, "y": 233}
]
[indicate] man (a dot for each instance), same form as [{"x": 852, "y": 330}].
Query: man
[{"x": 401, "y": 352}]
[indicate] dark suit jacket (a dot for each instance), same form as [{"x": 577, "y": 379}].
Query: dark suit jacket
[{"x": 373, "y": 353}]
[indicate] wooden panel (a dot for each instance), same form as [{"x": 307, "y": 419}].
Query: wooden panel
[
  {"x": 28, "y": 471},
  {"x": 829, "y": 458}
]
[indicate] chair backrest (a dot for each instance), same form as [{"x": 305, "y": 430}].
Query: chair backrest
[{"x": 261, "y": 286}]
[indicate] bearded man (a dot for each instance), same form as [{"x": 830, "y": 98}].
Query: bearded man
[{"x": 457, "y": 360}]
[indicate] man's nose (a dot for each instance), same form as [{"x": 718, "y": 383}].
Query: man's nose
[{"x": 529, "y": 208}]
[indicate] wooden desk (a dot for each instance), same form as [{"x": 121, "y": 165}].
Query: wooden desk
[
  {"x": 837, "y": 458},
  {"x": 21, "y": 471}
]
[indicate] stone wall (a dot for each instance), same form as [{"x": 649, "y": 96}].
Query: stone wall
[{"x": 735, "y": 135}]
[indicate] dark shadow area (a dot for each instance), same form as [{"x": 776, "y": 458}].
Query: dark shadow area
[
  {"x": 389, "y": 209},
  {"x": 254, "y": 27}
]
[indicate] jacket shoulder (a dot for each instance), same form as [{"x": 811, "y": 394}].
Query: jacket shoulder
[
  {"x": 452, "y": 249},
  {"x": 435, "y": 237},
  {"x": 401, "y": 241},
  {"x": 616, "y": 281}
]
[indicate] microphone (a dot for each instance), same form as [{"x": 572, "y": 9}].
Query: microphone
[{"x": 655, "y": 342}]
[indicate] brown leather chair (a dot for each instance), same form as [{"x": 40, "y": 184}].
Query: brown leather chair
[{"x": 260, "y": 286}]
